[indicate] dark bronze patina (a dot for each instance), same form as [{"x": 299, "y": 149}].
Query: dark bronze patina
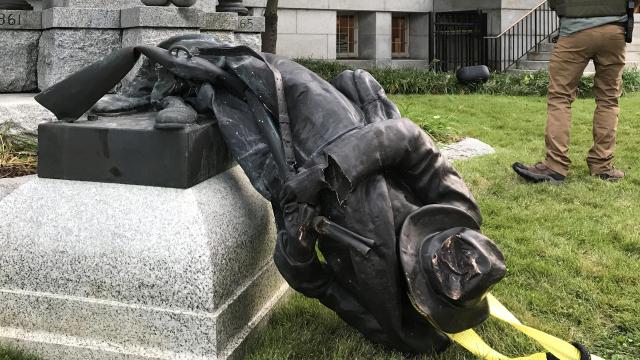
[{"x": 404, "y": 259}]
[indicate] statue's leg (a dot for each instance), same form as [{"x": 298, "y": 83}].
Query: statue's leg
[{"x": 134, "y": 96}]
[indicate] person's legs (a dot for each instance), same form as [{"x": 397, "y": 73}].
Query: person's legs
[
  {"x": 568, "y": 61},
  {"x": 609, "y": 61}
]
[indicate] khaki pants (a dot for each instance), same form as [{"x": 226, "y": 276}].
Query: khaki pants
[{"x": 605, "y": 45}]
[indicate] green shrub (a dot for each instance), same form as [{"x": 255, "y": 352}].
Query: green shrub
[{"x": 426, "y": 81}]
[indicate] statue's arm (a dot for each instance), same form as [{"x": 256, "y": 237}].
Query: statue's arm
[{"x": 401, "y": 148}]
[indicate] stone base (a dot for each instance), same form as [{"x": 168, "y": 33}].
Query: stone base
[
  {"x": 109, "y": 271},
  {"x": 23, "y": 112}
]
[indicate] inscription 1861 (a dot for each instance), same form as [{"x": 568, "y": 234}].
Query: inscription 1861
[{"x": 10, "y": 19}]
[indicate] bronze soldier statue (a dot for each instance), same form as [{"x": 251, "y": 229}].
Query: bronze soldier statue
[{"x": 404, "y": 261}]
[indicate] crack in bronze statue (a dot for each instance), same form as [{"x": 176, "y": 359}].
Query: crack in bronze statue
[{"x": 399, "y": 231}]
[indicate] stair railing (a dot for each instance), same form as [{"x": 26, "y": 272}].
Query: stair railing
[{"x": 507, "y": 48}]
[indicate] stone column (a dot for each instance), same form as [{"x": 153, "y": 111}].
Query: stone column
[
  {"x": 419, "y": 36},
  {"x": 375, "y": 37},
  {"x": 19, "y": 35},
  {"x": 74, "y": 38},
  {"x": 232, "y": 6}
]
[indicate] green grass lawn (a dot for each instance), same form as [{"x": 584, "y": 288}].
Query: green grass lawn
[{"x": 573, "y": 251}]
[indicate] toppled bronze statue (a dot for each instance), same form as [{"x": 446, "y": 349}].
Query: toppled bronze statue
[{"x": 404, "y": 260}]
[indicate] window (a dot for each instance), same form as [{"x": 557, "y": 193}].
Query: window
[
  {"x": 399, "y": 36},
  {"x": 346, "y": 41}
]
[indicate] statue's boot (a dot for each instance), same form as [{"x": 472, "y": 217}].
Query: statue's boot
[
  {"x": 175, "y": 114},
  {"x": 118, "y": 104}
]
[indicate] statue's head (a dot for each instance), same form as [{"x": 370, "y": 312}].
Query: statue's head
[{"x": 450, "y": 267}]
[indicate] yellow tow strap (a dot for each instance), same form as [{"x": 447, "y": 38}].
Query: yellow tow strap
[{"x": 471, "y": 341}]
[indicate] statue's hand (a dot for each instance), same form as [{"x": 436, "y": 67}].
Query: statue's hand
[{"x": 302, "y": 238}]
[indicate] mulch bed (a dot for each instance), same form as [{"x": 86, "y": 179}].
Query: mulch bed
[{"x": 10, "y": 171}]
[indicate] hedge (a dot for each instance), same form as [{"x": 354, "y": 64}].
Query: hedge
[{"x": 425, "y": 81}]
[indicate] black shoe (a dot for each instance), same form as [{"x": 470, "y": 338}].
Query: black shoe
[{"x": 537, "y": 173}]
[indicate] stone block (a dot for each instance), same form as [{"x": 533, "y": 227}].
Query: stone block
[
  {"x": 111, "y": 4},
  {"x": 228, "y": 37},
  {"x": 287, "y": 21},
  {"x": 251, "y": 24},
  {"x": 162, "y": 17},
  {"x": 20, "y": 20},
  {"x": 316, "y": 22},
  {"x": 110, "y": 271},
  {"x": 220, "y": 21},
  {"x": 129, "y": 150},
  {"x": 297, "y": 4},
  {"x": 303, "y": 46},
  {"x": 467, "y": 149},
  {"x": 23, "y": 112},
  {"x": 251, "y": 40},
  {"x": 357, "y": 5},
  {"x": 419, "y": 47},
  {"x": 419, "y": 24},
  {"x": 63, "y": 52},
  {"x": 68, "y": 17},
  {"x": 18, "y": 60}
]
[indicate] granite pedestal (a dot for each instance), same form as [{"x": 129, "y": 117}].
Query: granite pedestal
[
  {"x": 111, "y": 271},
  {"x": 19, "y": 38}
]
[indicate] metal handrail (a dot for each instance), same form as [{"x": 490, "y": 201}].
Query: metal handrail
[
  {"x": 507, "y": 48},
  {"x": 518, "y": 21}
]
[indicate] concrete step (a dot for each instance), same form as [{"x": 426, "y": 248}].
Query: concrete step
[
  {"x": 532, "y": 65},
  {"x": 546, "y": 47},
  {"x": 539, "y": 56}
]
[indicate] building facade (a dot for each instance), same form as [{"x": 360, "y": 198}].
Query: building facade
[
  {"x": 393, "y": 33},
  {"x": 387, "y": 33}
]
